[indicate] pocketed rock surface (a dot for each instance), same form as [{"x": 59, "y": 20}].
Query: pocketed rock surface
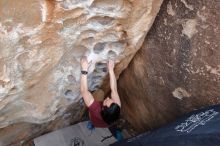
[{"x": 42, "y": 41}]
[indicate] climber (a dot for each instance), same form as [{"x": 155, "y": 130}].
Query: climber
[{"x": 102, "y": 114}]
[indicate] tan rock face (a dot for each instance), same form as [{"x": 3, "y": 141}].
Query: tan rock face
[{"x": 41, "y": 42}]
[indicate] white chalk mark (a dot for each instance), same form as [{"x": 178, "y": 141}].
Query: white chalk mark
[
  {"x": 187, "y": 5},
  {"x": 189, "y": 27},
  {"x": 170, "y": 10},
  {"x": 43, "y": 11}
]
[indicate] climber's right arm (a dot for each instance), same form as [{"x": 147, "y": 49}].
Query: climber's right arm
[{"x": 87, "y": 96}]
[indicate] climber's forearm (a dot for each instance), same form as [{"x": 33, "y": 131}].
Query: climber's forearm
[
  {"x": 113, "y": 85},
  {"x": 83, "y": 83},
  {"x": 113, "y": 82},
  {"x": 87, "y": 96}
]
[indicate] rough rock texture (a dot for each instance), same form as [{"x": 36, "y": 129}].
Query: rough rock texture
[
  {"x": 178, "y": 67},
  {"x": 22, "y": 134},
  {"x": 41, "y": 42}
]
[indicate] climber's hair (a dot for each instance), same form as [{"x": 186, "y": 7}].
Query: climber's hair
[{"x": 111, "y": 114}]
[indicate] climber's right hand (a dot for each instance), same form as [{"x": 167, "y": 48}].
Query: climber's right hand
[{"x": 84, "y": 63}]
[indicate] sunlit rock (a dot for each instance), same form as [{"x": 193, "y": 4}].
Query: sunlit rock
[{"x": 42, "y": 41}]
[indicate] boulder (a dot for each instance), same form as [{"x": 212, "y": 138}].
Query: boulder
[
  {"x": 178, "y": 67},
  {"x": 41, "y": 43}
]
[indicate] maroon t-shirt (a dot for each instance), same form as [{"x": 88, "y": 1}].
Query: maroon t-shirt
[{"x": 95, "y": 114}]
